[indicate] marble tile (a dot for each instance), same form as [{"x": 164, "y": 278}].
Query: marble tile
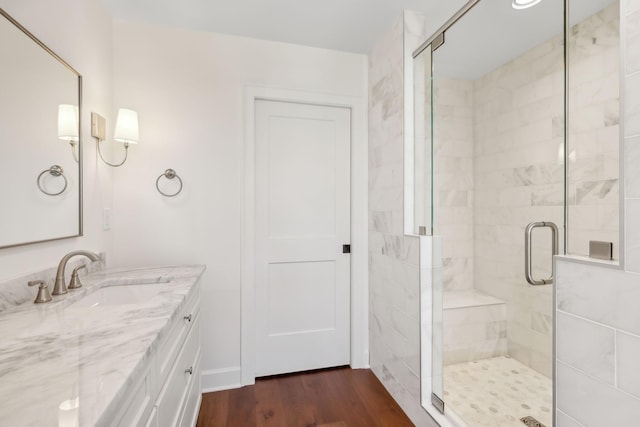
[
  {"x": 564, "y": 420},
  {"x": 632, "y": 99},
  {"x": 633, "y": 56},
  {"x": 632, "y": 236},
  {"x": 601, "y": 295},
  {"x": 586, "y": 346},
  {"x": 632, "y": 171},
  {"x": 628, "y": 355},
  {"x": 394, "y": 260},
  {"x": 592, "y": 402},
  {"x": 497, "y": 392},
  {"x": 632, "y": 121}
]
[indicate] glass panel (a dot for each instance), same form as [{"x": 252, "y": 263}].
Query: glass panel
[
  {"x": 593, "y": 174},
  {"x": 498, "y": 120},
  {"x": 422, "y": 144}
]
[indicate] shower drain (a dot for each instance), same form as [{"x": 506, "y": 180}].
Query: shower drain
[{"x": 531, "y": 422}]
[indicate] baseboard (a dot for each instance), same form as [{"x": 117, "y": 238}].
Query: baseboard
[
  {"x": 220, "y": 379},
  {"x": 194, "y": 421}
]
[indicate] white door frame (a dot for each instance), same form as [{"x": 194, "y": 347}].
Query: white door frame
[{"x": 359, "y": 223}]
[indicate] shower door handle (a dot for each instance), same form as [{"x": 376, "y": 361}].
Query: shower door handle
[{"x": 527, "y": 251}]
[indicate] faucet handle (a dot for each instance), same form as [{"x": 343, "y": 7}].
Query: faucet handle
[
  {"x": 75, "y": 280},
  {"x": 43, "y": 292}
]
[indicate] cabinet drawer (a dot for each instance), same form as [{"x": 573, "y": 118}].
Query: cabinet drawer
[
  {"x": 172, "y": 396},
  {"x": 172, "y": 343},
  {"x": 194, "y": 398}
]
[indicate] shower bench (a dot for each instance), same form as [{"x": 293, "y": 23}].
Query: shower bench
[{"x": 475, "y": 326}]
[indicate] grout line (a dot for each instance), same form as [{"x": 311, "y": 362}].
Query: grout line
[
  {"x": 615, "y": 359},
  {"x": 632, "y": 74},
  {"x": 576, "y": 316},
  {"x": 604, "y": 325},
  {"x": 571, "y": 418},
  {"x": 598, "y": 380}
]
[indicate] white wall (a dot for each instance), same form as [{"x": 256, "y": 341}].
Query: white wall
[
  {"x": 188, "y": 90},
  {"x": 79, "y": 31}
]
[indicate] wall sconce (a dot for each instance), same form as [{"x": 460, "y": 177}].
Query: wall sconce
[
  {"x": 68, "y": 126},
  {"x": 126, "y": 131}
]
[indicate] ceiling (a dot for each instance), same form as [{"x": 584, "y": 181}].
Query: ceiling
[
  {"x": 489, "y": 35},
  {"x": 493, "y": 33},
  {"x": 347, "y": 25}
]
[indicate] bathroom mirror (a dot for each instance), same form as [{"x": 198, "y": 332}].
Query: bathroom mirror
[
  {"x": 509, "y": 141},
  {"x": 40, "y": 173}
]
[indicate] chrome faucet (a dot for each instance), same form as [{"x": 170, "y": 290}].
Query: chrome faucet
[{"x": 59, "y": 288}]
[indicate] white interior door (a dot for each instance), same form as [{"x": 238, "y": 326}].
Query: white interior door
[{"x": 302, "y": 220}]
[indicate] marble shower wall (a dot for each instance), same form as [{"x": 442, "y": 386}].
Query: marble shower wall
[
  {"x": 598, "y": 346},
  {"x": 453, "y": 179},
  {"x": 518, "y": 129},
  {"x": 394, "y": 277},
  {"x": 518, "y": 125},
  {"x": 594, "y": 131},
  {"x": 598, "y": 334}
]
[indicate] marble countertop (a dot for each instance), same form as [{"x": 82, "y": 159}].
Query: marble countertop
[{"x": 56, "y": 352}]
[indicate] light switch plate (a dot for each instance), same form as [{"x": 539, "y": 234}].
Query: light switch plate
[
  {"x": 106, "y": 219},
  {"x": 98, "y": 126}
]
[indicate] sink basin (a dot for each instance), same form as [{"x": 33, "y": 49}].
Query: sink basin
[{"x": 119, "y": 295}]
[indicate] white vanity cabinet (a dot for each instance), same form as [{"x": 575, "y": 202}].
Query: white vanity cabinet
[{"x": 169, "y": 394}]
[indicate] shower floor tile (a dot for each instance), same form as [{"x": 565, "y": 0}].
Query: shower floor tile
[{"x": 497, "y": 392}]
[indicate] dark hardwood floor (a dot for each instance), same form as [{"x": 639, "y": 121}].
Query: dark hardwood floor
[{"x": 339, "y": 397}]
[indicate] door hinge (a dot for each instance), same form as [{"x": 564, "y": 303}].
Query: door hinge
[{"x": 346, "y": 249}]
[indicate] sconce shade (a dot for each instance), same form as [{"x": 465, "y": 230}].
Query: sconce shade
[
  {"x": 68, "y": 122},
  {"x": 126, "y": 126}
]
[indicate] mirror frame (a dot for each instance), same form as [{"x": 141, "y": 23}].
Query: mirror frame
[{"x": 80, "y": 169}]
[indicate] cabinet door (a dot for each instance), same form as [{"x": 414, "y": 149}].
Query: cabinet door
[
  {"x": 174, "y": 393},
  {"x": 141, "y": 400},
  {"x": 192, "y": 405}
]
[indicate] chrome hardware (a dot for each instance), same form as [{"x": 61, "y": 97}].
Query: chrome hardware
[
  {"x": 189, "y": 371},
  {"x": 187, "y": 318},
  {"x": 527, "y": 251},
  {"x": 43, "y": 291},
  {"x": 437, "y": 403},
  {"x": 56, "y": 171},
  {"x": 59, "y": 287},
  {"x": 75, "y": 280},
  {"x": 169, "y": 174},
  {"x": 601, "y": 250}
]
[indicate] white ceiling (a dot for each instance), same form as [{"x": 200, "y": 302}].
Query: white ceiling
[
  {"x": 347, "y": 25},
  {"x": 493, "y": 33}
]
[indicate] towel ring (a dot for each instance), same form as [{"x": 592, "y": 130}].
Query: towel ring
[
  {"x": 169, "y": 174},
  {"x": 54, "y": 170}
]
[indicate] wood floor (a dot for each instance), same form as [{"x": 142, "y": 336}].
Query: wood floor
[{"x": 339, "y": 397}]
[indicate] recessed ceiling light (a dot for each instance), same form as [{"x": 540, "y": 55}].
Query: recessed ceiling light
[{"x": 523, "y": 4}]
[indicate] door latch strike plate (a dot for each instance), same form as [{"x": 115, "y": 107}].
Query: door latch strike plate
[{"x": 346, "y": 249}]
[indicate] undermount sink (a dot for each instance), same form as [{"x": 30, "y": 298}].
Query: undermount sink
[{"x": 119, "y": 295}]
